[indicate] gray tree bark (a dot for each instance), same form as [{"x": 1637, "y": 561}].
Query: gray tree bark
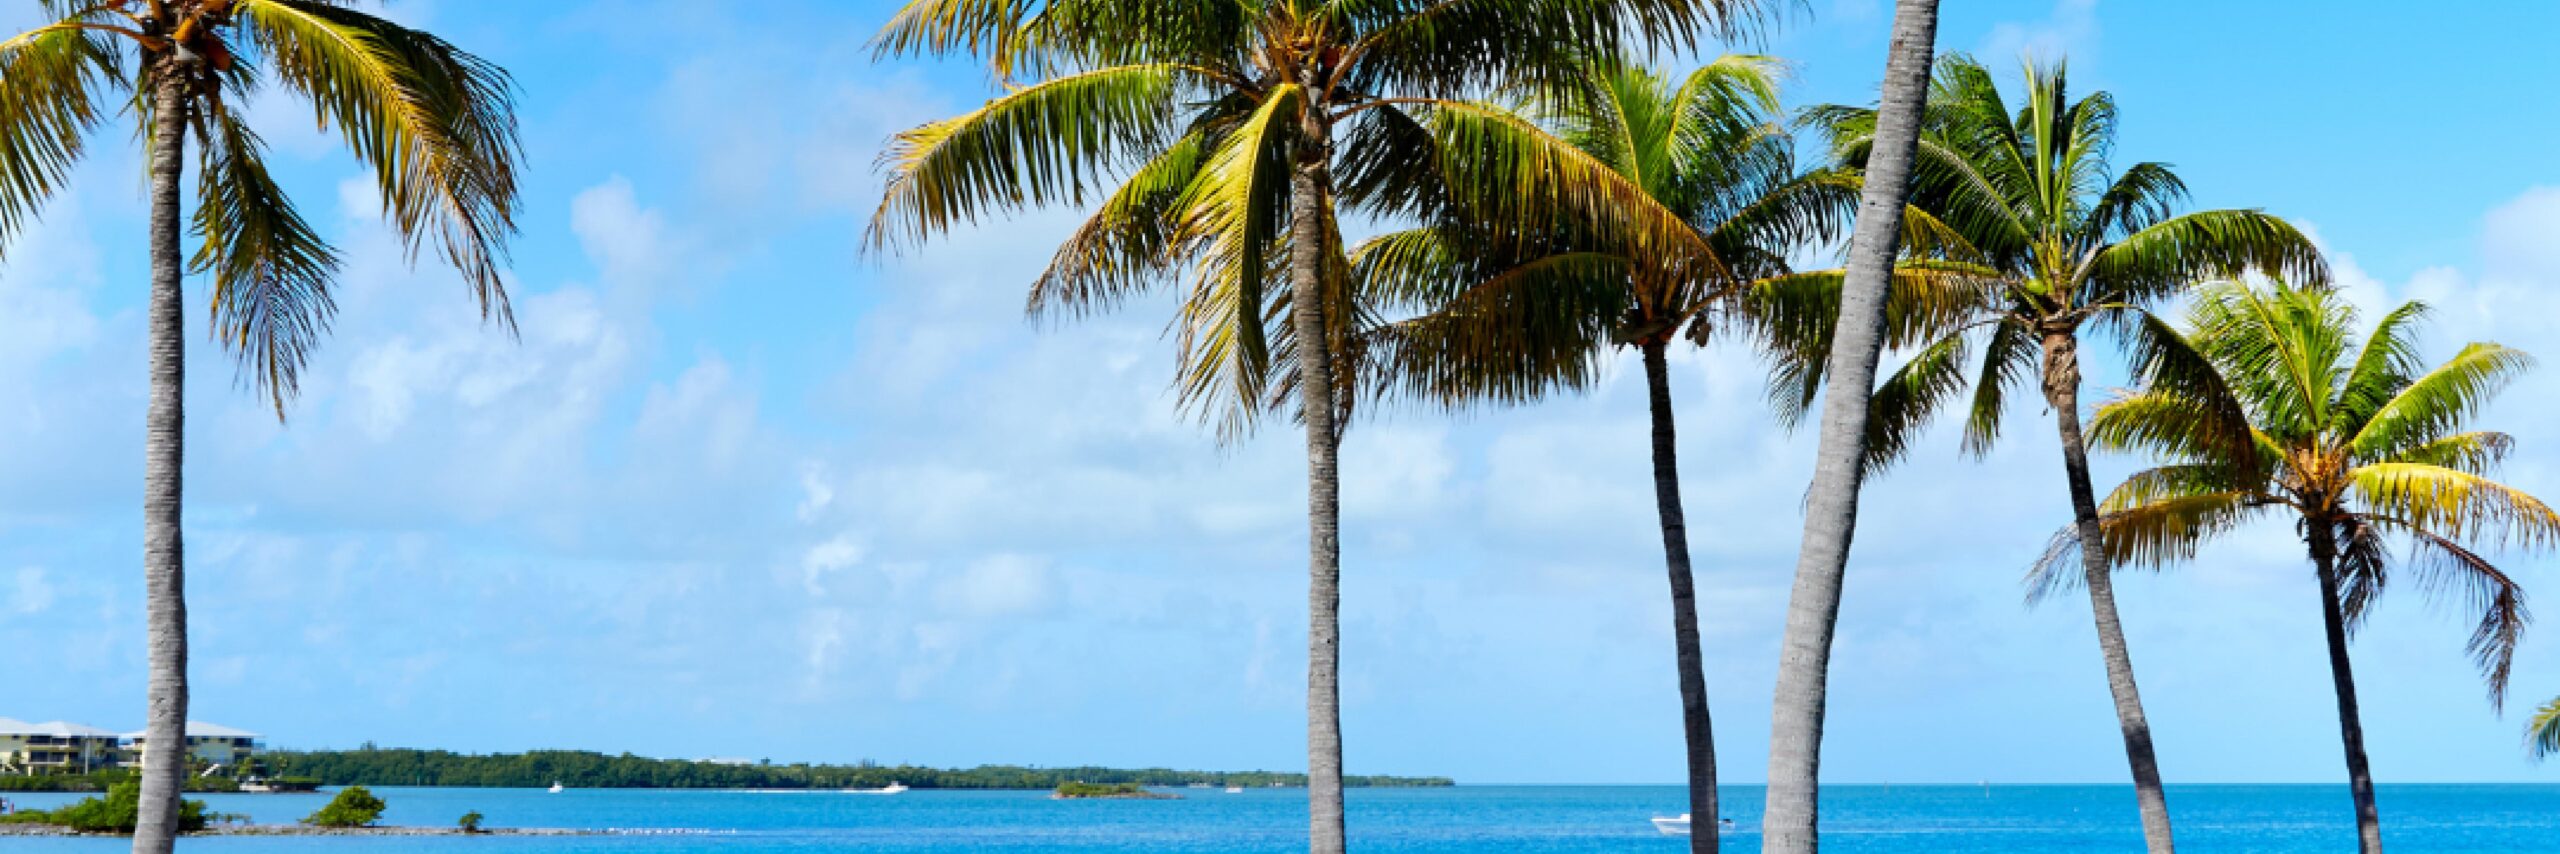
[
  {"x": 2324, "y": 556},
  {"x": 2062, "y": 391},
  {"x": 163, "y": 454},
  {"x": 1311, "y": 195},
  {"x": 1697, "y": 729},
  {"x": 1791, "y": 821}
]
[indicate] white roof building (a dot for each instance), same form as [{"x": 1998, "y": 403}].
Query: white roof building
[
  {"x": 56, "y": 729},
  {"x": 200, "y": 729}
]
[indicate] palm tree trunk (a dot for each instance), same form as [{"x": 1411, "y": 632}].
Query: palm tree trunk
[
  {"x": 1311, "y": 196},
  {"x": 164, "y": 771},
  {"x": 1831, "y": 505},
  {"x": 2324, "y": 555},
  {"x": 1695, "y": 726},
  {"x": 2062, "y": 390}
]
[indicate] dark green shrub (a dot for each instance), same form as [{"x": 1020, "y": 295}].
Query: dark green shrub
[
  {"x": 353, "y": 807},
  {"x": 118, "y": 812},
  {"x": 470, "y": 822}
]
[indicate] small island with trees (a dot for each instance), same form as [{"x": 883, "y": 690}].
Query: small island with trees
[{"x": 1079, "y": 790}]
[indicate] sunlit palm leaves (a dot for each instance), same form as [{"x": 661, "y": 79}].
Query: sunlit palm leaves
[
  {"x": 435, "y": 125},
  {"x": 2358, "y": 440},
  {"x": 2543, "y": 733},
  {"x": 2028, "y": 190},
  {"x": 1201, "y": 110}
]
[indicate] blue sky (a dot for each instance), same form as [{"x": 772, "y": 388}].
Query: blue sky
[{"x": 740, "y": 491}]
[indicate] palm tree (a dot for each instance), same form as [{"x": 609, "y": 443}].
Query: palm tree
[
  {"x": 2544, "y": 731},
  {"x": 1512, "y": 316},
  {"x": 1222, "y": 120},
  {"x": 436, "y": 125},
  {"x": 2260, "y": 408},
  {"x": 2064, "y": 244},
  {"x": 1790, "y": 823}
]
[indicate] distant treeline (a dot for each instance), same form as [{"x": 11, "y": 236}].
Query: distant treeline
[
  {"x": 101, "y": 781},
  {"x": 585, "y": 770}
]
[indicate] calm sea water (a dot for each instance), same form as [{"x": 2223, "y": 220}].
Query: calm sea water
[{"x": 1466, "y": 818}]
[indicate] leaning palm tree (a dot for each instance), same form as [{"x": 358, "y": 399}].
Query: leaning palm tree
[
  {"x": 2065, "y": 244},
  {"x": 1790, "y": 822},
  {"x": 2262, "y": 407},
  {"x": 1511, "y": 316},
  {"x": 1238, "y": 129},
  {"x": 435, "y": 124}
]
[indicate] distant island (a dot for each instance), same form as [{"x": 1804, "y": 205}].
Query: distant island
[
  {"x": 590, "y": 770},
  {"x": 1080, "y": 790}
]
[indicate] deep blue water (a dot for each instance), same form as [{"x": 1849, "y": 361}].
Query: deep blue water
[{"x": 1466, "y": 818}]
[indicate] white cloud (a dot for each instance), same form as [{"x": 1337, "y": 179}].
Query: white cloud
[
  {"x": 2070, "y": 31},
  {"x": 828, "y": 558},
  {"x": 34, "y": 594},
  {"x": 1004, "y": 585}
]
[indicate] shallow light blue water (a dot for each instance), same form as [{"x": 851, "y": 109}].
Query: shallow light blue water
[{"x": 1466, "y": 818}]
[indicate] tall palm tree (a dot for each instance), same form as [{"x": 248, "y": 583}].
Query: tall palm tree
[
  {"x": 2064, "y": 244},
  {"x": 2260, "y": 408},
  {"x": 1790, "y": 821},
  {"x": 1510, "y": 317},
  {"x": 1222, "y": 120},
  {"x": 435, "y": 124}
]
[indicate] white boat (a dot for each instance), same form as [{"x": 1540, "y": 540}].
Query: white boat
[
  {"x": 1235, "y": 790},
  {"x": 555, "y": 787},
  {"x": 893, "y": 788},
  {"x": 1680, "y": 826}
]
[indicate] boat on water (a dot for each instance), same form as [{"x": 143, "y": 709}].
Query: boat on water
[
  {"x": 556, "y": 787},
  {"x": 1235, "y": 790},
  {"x": 1680, "y": 826},
  {"x": 893, "y": 788}
]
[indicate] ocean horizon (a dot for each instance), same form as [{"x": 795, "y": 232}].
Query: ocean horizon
[{"x": 2294, "y": 817}]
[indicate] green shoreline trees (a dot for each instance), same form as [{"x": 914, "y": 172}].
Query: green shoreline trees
[
  {"x": 2263, "y": 407},
  {"x": 435, "y": 125}
]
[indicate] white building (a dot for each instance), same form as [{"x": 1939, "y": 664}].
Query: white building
[
  {"x": 54, "y": 747},
  {"x": 212, "y": 744}
]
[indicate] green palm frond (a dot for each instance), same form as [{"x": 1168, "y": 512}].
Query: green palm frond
[
  {"x": 1514, "y": 336},
  {"x": 1793, "y": 317},
  {"x": 1517, "y": 177},
  {"x": 271, "y": 271},
  {"x": 54, "y": 83},
  {"x": 2387, "y": 364},
  {"x": 1234, "y": 213},
  {"x": 2475, "y": 453},
  {"x": 2455, "y": 504},
  {"x": 2175, "y": 253},
  {"x": 1128, "y": 243},
  {"x": 1040, "y": 145},
  {"x": 1904, "y": 401},
  {"x": 2152, "y": 535},
  {"x": 436, "y": 124},
  {"x": 2543, "y": 732},
  {"x": 2010, "y": 355},
  {"x": 2438, "y": 401}
]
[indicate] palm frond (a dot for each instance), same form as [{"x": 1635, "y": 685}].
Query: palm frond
[
  {"x": 1128, "y": 243},
  {"x": 2153, "y": 535},
  {"x": 436, "y": 124},
  {"x": 2173, "y": 254},
  {"x": 53, "y": 85},
  {"x": 2455, "y": 504},
  {"x": 1235, "y": 213},
  {"x": 2543, "y": 732},
  {"x": 2437, "y": 402},
  {"x": 271, "y": 271},
  {"x": 2447, "y": 569},
  {"x": 1041, "y": 145}
]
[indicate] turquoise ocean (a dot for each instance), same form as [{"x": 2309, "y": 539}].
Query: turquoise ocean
[{"x": 2416, "y": 818}]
